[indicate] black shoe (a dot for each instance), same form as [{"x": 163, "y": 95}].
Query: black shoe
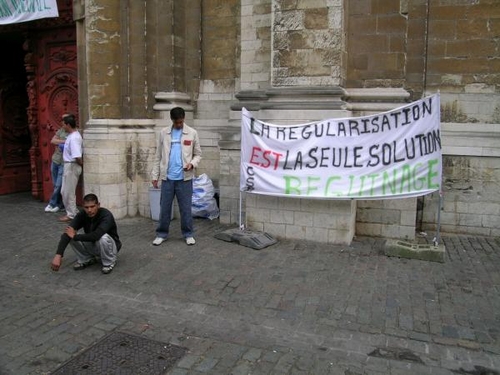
[{"x": 81, "y": 266}]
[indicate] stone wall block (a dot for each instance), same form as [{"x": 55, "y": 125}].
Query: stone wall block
[
  {"x": 470, "y": 220},
  {"x": 277, "y": 230},
  {"x": 298, "y": 232},
  {"x": 316, "y": 19},
  {"x": 375, "y": 215},
  {"x": 369, "y": 43},
  {"x": 230, "y": 204},
  {"x": 369, "y": 229},
  {"x": 293, "y": 204},
  {"x": 492, "y": 222},
  {"x": 251, "y": 200},
  {"x": 391, "y": 24},
  {"x": 259, "y": 215},
  {"x": 303, "y": 219},
  {"x": 324, "y": 220},
  {"x": 485, "y": 208},
  {"x": 407, "y": 218},
  {"x": 281, "y": 217},
  {"x": 267, "y": 201},
  {"x": 311, "y": 4},
  {"x": 318, "y": 234},
  {"x": 340, "y": 237},
  {"x": 290, "y": 20},
  {"x": 391, "y": 214}
]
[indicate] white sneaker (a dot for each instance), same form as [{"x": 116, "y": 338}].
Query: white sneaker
[
  {"x": 190, "y": 241},
  {"x": 49, "y": 208},
  {"x": 54, "y": 209},
  {"x": 107, "y": 269},
  {"x": 158, "y": 241}
]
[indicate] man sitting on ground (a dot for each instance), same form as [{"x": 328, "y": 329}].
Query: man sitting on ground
[{"x": 99, "y": 241}]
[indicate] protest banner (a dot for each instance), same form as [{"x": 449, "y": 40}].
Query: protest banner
[
  {"x": 395, "y": 154},
  {"x": 16, "y": 11}
]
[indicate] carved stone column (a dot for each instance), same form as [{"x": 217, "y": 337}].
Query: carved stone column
[{"x": 103, "y": 48}]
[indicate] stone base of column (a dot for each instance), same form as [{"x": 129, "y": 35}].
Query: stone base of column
[{"x": 117, "y": 163}]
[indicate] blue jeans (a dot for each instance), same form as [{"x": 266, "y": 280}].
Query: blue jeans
[
  {"x": 57, "y": 175},
  {"x": 183, "y": 190}
]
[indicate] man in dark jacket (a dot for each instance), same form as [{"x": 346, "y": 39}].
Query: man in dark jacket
[{"x": 99, "y": 241}]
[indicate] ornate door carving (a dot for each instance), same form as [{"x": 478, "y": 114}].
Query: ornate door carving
[
  {"x": 53, "y": 91},
  {"x": 38, "y": 83}
]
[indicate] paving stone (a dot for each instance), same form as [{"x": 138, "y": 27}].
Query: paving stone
[
  {"x": 178, "y": 371},
  {"x": 271, "y": 356},
  {"x": 252, "y": 355},
  {"x": 206, "y": 364},
  {"x": 264, "y": 368},
  {"x": 242, "y": 368},
  {"x": 188, "y": 361},
  {"x": 295, "y": 307}
]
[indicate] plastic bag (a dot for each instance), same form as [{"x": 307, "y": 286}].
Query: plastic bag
[{"x": 204, "y": 203}]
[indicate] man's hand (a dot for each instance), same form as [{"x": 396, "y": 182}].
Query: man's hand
[
  {"x": 188, "y": 167},
  {"x": 155, "y": 184},
  {"x": 56, "y": 262},
  {"x": 70, "y": 231}
]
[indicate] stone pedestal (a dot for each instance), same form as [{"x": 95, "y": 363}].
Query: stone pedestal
[{"x": 117, "y": 159}]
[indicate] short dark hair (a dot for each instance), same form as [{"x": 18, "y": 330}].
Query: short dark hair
[
  {"x": 91, "y": 198},
  {"x": 70, "y": 120},
  {"x": 177, "y": 113}
]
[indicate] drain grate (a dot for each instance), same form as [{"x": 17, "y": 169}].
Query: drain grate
[{"x": 124, "y": 354}]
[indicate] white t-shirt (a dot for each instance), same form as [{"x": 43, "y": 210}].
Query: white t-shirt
[{"x": 73, "y": 147}]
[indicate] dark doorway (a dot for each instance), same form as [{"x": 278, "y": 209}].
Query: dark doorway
[{"x": 15, "y": 141}]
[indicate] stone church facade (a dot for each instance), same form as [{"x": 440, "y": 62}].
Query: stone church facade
[{"x": 291, "y": 61}]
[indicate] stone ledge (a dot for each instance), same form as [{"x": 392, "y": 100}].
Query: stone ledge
[
  {"x": 403, "y": 249},
  {"x": 471, "y": 139}
]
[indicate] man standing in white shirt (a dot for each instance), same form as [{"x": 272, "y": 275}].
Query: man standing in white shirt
[{"x": 72, "y": 156}]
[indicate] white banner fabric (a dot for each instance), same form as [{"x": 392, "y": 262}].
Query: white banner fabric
[
  {"x": 395, "y": 154},
  {"x": 16, "y": 11}
]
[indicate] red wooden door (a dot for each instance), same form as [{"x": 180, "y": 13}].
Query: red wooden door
[
  {"x": 38, "y": 83},
  {"x": 55, "y": 92}
]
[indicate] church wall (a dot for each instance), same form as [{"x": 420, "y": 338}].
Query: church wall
[
  {"x": 219, "y": 79},
  {"x": 296, "y": 62},
  {"x": 446, "y": 47}
]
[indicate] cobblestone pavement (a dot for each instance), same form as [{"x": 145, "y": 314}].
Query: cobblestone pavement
[{"x": 293, "y": 308}]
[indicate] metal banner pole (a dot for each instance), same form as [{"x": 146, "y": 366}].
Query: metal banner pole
[
  {"x": 437, "y": 239},
  {"x": 240, "y": 219}
]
